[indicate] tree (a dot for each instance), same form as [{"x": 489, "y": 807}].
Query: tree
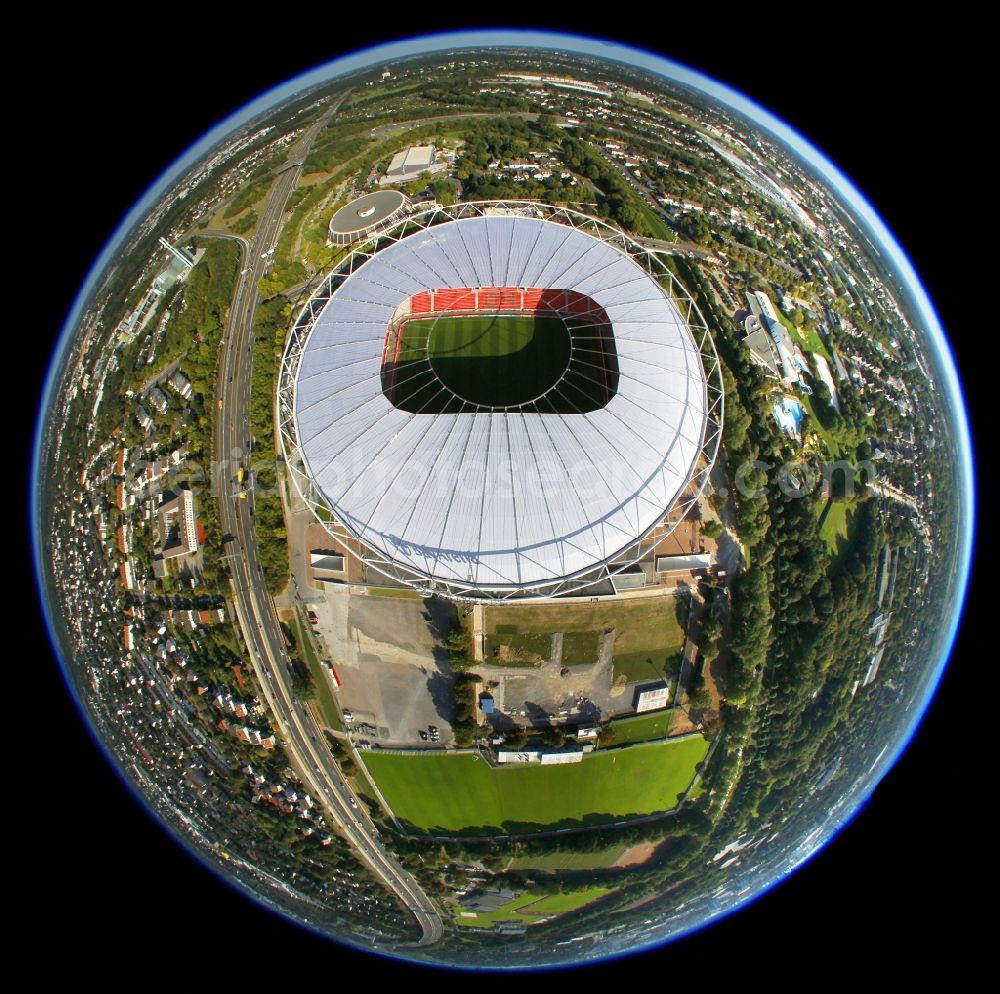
[
  {"x": 711, "y": 628},
  {"x": 698, "y": 693},
  {"x": 711, "y": 529},
  {"x": 554, "y": 737},
  {"x": 458, "y": 639},
  {"x": 516, "y": 738}
]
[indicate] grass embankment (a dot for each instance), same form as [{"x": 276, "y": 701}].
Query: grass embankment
[
  {"x": 556, "y": 861},
  {"x": 324, "y": 693},
  {"x": 399, "y": 593}
]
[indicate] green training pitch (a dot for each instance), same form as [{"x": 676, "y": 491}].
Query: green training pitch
[
  {"x": 461, "y": 794},
  {"x": 642, "y": 727},
  {"x": 527, "y": 908},
  {"x": 444, "y": 365}
]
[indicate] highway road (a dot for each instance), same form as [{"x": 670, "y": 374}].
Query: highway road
[{"x": 258, "y": 620}]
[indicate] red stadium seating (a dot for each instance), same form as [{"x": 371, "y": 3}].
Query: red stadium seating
[
  {"x": 554, "y": 300},
  {"x": 455, "y": 300},
  {"x": 469, "y": 300},
  {"x": 572, "y": 306},
  {"x": 422, "y": 303}
]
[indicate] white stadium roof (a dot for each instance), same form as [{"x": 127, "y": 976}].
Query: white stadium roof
[{"x": 500, "y": 499}]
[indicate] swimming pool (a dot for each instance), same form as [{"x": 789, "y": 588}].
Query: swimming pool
[{"x": 789, "y": 412}]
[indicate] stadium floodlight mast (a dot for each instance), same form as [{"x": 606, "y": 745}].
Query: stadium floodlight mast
[{"x": 648, "y": 257}]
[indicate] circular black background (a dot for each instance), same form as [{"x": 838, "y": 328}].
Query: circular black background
[{"x": 103, "y": 119}]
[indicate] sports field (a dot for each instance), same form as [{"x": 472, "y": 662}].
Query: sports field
[
  {"x": 642, "y": 727},
  {"x": 461, "y": 794},
  {"x": 527, "y": 909},
  {"x": 498, "y": 360},
  {"x": 444, "y": 364}
]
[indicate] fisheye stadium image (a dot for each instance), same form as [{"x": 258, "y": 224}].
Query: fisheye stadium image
[{"x": 501, "y": 500}]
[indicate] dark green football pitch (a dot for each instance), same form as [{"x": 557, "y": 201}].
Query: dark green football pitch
[{"x": 449, "y": 364}]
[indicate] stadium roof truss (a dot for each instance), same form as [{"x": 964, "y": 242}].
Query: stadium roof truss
[{"x": 441, "y": 571}]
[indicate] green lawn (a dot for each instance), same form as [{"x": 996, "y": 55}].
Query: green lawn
[
  {"x": 496, "y": 360},
  {"x": 697, "y": 789},
  {"x": 600, "y": 859},
  {"x": 638, "y": 667},
  {"x": 508, "y": 646},
  {"x": 835, "y": 527},
  {"x": 642, "y": 727},
  {"x": 364, "y": 788},
  {"x": 526, "y": 908},
  {"x": 494, "y": 336},
  {"x": 378, "y": 93},
  {"x": 808, "y": 340},
  {"x": 461, "y": 794},
  {"x": 580, "y": 648},
  {"x": 648, "y": 629},
  {"x": 401, "y": 593},
  {"x": 649, "y": 638}
]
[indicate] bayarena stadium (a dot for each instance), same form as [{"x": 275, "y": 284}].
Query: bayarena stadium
[{"x": 500, "y": 400}]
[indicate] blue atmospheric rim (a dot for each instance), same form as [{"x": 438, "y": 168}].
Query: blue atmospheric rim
[{"x": 676, "y": 72}]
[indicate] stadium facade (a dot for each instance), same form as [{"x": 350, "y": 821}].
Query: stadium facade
[{"x": 543, "y": 496}]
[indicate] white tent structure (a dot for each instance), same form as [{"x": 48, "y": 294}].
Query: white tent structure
[{"x": 491, "y": 503}]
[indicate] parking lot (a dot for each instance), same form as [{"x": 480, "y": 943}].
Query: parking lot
[{"x": 388, "y": 654}]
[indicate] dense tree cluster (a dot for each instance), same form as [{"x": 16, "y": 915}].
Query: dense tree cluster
[
  {"x": 334, "y": 152},
  {"x": 250, "y": 195},
  {"x": 465, "y": 723},
  {"x": 461, "y": 93},
  {"x": 270, "y": 325},
  {"x": 617, "y": 200}
]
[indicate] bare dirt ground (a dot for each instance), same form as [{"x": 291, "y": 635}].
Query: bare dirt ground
[
  {"x": 535, "y": 692},
  {"x": 636, "y": 855},
  {"x": 682, "y": 723}
]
